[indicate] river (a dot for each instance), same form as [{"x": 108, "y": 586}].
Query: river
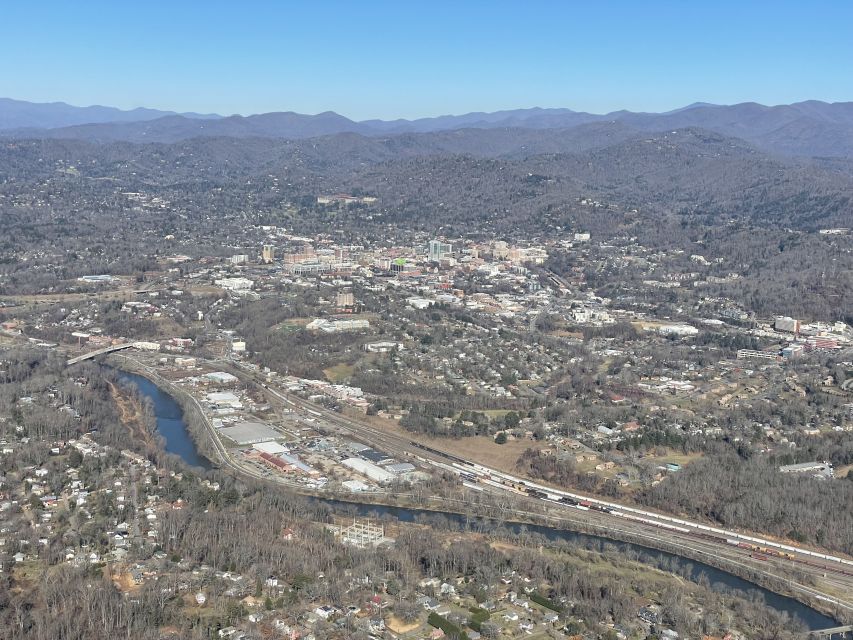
[
  {"x": 170, "y": 421},
  {"x": 173, "y": 429}
]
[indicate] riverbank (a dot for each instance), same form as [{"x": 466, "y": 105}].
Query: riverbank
[
  {"x": 179, "y": 419},
  {"x": 774, "y": 588}
]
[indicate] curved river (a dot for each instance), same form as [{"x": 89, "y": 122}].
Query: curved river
[{"x": 173, "y": 429}]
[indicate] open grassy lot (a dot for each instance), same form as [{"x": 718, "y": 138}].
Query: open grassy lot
[{"x": 339, "y": 372}]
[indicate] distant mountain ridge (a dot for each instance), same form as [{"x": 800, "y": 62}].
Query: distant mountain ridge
[
  {"x": 810, "y": 128},
  {"x": 19, "y": 114}
]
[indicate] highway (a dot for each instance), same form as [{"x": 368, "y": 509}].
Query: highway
[{"x": 99, "y": 352}]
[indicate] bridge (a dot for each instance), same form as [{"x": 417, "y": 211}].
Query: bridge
[
  {"x": 99, "y": 352},
  {"x": 827, "y": 634}
]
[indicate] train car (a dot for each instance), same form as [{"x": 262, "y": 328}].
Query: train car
[{"x": 568, "y": 500}]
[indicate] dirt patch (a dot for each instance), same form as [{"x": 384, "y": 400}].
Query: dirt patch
[
  {"x": 339, "y": 372},
  {"x": 131, "y": 415},
  {"x": 124, "y": 582},
  {"x": 398, "y": 626},
  {"x": 480, "y": 449}
]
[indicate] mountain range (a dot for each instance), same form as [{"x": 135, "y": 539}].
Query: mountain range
[{"x": 809, "y": 129}]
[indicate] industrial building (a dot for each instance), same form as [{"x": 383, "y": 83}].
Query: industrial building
[
  {"x": 250, "y": 433},
  {"x": 222, "y": 377},
  {"x": 223, "y": 399},
  {"x": 369, "y": 470},
  {"x": 270, "y": 447},
  {"x": 400, "y": 468}
]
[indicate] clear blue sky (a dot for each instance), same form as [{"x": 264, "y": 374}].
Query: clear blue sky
[{"x": 411, "y": 58}]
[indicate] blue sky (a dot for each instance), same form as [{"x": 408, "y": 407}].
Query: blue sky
[{"x": 413, "y": 58}]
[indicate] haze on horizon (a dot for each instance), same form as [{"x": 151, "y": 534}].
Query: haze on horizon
[{"x": 390, "y": 61}]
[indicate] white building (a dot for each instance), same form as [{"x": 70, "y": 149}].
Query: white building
[
  {"x": 369, "y": 470},
  {"x": 235, "y": 284},
  {"x": 147, "y": 346},
  {"x": 678, "y": 330},
  {"x": 336, "y": 326}
]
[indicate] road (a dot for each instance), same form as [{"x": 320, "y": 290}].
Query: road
[
  {"x": 694, "y": 539},
  {"x": 99, "y": 352},
  {"x": 697, "y": 537}
]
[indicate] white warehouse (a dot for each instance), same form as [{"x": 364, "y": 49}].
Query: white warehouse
[{"x": 368, "y": 469}]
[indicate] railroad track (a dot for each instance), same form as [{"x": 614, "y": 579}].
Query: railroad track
[{"x": 679, "y": 532}]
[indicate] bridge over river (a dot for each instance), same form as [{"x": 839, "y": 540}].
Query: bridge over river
[
  {"x": 100, "y": 352},
  {"x": 833, "y": 632}
]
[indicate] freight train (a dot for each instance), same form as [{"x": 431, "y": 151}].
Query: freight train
[{"x": 472, "y": 473}]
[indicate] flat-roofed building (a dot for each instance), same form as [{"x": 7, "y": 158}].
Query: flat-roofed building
[
  {"x": 249, "y": 433},
  {"x": 817, "y": 469}
]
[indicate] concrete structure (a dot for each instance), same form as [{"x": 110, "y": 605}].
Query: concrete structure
[
  {"x": 95, "y": 354},
  {"x": 361, "y": 533},
  {"x": 268, "y": 253}
]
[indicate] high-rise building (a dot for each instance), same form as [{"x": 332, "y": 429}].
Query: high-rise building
[
  {"x": 438, "y": 249},
  {"x": 345, "y": 301},
  {"x": 784, "y": 323},
  {"x": 268, "y": 253}
]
